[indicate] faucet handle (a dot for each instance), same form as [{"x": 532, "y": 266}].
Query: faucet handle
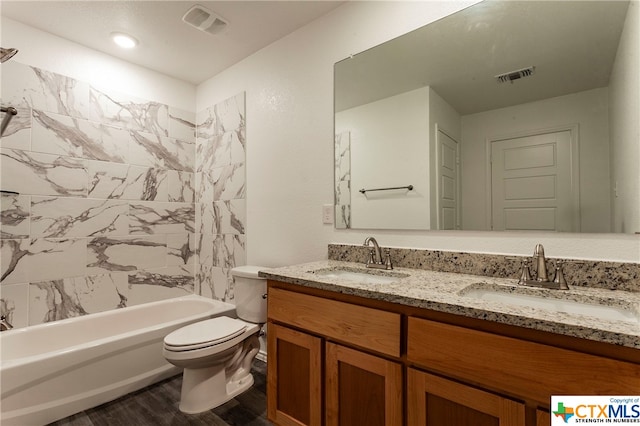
[
  {"x": 525, "y": 275},
  {"x": 559, "y": 278},
  {"x": 387, "y": 259},
  {"x": 372, "y": 257}
]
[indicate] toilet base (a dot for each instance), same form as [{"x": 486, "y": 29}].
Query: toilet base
[
  {"x": 203, "y": 389},
  {"x": 208, "y": 387}
]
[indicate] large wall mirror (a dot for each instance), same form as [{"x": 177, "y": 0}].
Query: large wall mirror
[{"x": 508, "y": 115}]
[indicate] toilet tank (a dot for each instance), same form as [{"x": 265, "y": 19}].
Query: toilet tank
[{"x": 249, "y": 290}]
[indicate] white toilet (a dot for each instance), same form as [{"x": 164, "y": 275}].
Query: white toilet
[{"x": 217, "y": 353}]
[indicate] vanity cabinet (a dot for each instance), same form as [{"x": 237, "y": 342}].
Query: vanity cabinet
[
  {"x": 332, "y": 363},
  {"x": 337, "y": 359}
]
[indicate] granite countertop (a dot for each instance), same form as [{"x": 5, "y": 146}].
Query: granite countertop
[{"x": 448, "y": 292}]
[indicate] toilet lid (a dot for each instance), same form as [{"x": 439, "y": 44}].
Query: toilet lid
[{"x": 205, "y": 333}]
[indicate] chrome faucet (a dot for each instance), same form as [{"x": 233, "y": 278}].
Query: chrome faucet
[
  {"x": 374, "y": 260},
  {"x": 542, "y": 277},
  {"x": 4, "y": 323},
  {"x": 541, "y": 264}
]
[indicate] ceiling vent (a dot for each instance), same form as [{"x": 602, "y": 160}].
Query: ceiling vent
[
  {"x": 515, "y": 75},
  {"x": 205, "y": 20}
]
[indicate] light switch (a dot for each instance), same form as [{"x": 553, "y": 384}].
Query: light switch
[{"x": 327, "y": 213}]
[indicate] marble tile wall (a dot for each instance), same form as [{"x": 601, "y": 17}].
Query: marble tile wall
[
  {"x": 342, "y": 190},
  {"x": 584, "y": 273},
  {"x": 220, "y": 196},
  {"x": 106, "y": 214}
]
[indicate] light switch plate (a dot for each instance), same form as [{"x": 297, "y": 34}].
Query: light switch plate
[{"x": 327, "y": 214}]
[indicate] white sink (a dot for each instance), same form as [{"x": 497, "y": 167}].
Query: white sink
[
  {"x": 364, "y": 277},
  {"x": 615, "y": 313}
]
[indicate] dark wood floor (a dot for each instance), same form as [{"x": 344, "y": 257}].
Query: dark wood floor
[{"x": 158, "y": 405}]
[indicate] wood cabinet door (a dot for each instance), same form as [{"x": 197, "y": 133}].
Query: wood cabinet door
[
  {"x": 435, "y": 401},
  {"x": 361, "y": 389},
  {"x": 294, "y": 377},
  {"x": 543, "y": 418}
]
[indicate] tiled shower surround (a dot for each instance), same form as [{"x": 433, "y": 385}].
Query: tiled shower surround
[
  {"x": 342, "y": 177},
  {"x": 121, "y": 200}
]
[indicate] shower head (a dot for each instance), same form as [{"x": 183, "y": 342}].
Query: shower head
[{"x": 6, "y": 54}]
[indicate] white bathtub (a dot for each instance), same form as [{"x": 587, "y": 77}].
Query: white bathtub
[{"x": 53, "y": 370}]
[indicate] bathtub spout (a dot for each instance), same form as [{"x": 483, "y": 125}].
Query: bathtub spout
[{"x": 5, "y": 324}]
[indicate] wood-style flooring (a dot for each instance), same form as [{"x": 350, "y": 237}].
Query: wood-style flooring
[{"x": 157, "y": 405}]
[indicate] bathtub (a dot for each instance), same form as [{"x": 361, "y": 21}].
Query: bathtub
[{"x": 50, "y": 371}]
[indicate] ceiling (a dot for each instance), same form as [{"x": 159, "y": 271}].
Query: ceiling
[
  {"x": 167, "y": 44},
  {"x": 571, "y": 44}
]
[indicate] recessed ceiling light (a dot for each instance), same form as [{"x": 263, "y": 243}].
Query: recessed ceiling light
[{"x": 124, "y": 40}]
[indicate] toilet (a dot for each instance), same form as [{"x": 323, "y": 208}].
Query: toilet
[{"x": 216, "y": 354}]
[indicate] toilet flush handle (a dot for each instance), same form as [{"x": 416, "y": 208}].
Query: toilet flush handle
[{"x": 264, "y": 296}]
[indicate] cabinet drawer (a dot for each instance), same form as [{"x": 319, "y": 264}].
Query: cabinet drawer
[
  {"x": 528, "y": 369},
  {"x": 365, "y": 327}
]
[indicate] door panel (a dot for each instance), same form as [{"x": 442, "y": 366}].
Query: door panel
[
  {"x": 524, "y": 157},
  {"x": 448, "y": 191},
  {"x": 530, "y": 188},
  {"x": 532, "y": 183}
]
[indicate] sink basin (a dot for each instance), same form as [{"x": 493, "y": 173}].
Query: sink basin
[
  {"x": 364, "y": 277},
  {"x": 556, "y": 304}
]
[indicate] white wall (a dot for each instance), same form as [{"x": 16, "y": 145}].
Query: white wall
[
  {"x": 624, "y": 89},
  {"x": 587, "y": 109},
  {"x": 44, "y": 50},
  {"x": 290, "y": 133},
  {"x": 443, "y": 114},
  {"x": 389, "y": 148}
]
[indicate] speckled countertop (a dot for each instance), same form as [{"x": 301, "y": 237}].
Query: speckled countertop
[{"x": 450, "y": 292}]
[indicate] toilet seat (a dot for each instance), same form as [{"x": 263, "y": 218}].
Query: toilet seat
[{"x": 204, "y": 334}]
